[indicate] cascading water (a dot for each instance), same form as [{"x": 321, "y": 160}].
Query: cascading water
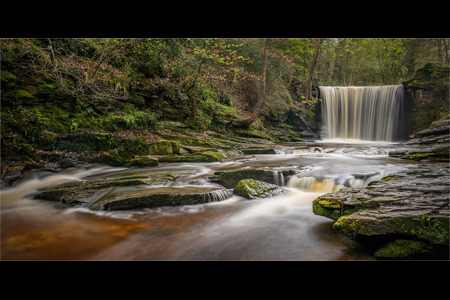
[{"x": 373, "y": 113}]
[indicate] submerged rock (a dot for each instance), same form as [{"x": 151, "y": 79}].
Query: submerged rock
[{"x": 252, "y": 189}]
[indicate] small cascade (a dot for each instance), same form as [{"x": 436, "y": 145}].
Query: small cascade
[
  {"x": 331, "y": 185},
  {"x": 374, "y": 113},
  {"x": 219, "y": 195},
  {"x": 311, "y": 184},
  {"x": 278, "y": 178}
]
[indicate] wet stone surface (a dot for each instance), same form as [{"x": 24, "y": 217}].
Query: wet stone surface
[{"x": 413, "y": 204}]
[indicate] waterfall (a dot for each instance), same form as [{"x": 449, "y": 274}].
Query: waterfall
[{"x": 375, "y": 113}]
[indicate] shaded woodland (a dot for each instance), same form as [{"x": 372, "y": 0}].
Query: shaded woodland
[{"x": 136, "y": 87}]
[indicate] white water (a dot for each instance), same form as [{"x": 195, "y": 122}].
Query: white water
[
  {"x": 370, "y": 113},
  {"x": 229, "y": 227},
  {"x": 11, "y": 196}
]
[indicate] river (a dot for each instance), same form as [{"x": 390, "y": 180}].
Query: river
[{"x": 279, "y": 228}]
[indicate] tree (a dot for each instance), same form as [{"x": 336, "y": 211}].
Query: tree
[
  {"x": 313, "y": 57},
  {"x": 248, "y": 121}
]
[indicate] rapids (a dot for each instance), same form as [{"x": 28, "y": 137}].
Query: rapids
[{"x": 228, "y": 227}]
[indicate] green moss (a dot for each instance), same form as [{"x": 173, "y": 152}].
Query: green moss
[
  {"x": 142, "y": 161},
  {"x": 251, "y": 189},
  {"x": 432, "y": 229},
  {"x": 22, "y": 94},
  {"x": 402, "y": 249},
  {"x": 7, "y": 77},
  {"x": 162, "y": 147},
  {"x": 90, "y": 142},
  {"x": 207, "y": 156},
  {"x": 212, "y": 156},
  {"x": 352, "y": 226},
  {"x": 327, "y": 208},
  {"x": 435, "y": 154}
]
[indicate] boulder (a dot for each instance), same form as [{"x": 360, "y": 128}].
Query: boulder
[{"x": 252, "y": 189}]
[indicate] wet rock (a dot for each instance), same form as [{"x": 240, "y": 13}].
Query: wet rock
[
  {"x": 76, "y": 194},
  {"x": 230, "y": 179},
  {"x": 252, "y": 189},
  {"x": 441, "y": 127},
  {"x": 206, "y": 156},
  {"x": 431, "y": 144},
  {"x": 413, "y": 204},
  {"x": 159, "y": 197},
  {"x": 164, "y": 147},
  {"x": 142, "y": 161},
  {"x": 247, "y": 151},
  {"x": 84, "y": 192},
  {"x": 12, "y": 173}
]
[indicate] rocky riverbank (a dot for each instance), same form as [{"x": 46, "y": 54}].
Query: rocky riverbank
[
  {"x": 90, "y": 149},
  {"x": 404, "y": 215}
]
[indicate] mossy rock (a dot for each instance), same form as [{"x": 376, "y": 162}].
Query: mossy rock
[
  {"x": 253, "y": 189},
  {"x": 403, "y": 249},
  {"x": 89, "y": 142},
  {"x": 162, "y": 147},
  {"x": 142, "y": 161},
  {"x": 329, "y": 208},
  {"x": 439, "y": 154},
  {"x": 212, "y": 156},
  {"x": 230, "y": 179},
  {"x": 207, "y": 156},
  {"x": 258, "y": 151},
  {"x": 353, "y": 226}
]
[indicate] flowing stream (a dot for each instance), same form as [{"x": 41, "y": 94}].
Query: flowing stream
[{"x": 227, "y": 228}]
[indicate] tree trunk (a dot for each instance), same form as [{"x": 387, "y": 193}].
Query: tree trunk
[
  {"x": 312, "y": 64},
  {"x": 247, "y": 122}
]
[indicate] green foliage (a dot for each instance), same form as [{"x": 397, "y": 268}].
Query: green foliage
[
  {"x": 432, "y": 229},
  {"x": 54, "y": 86},
  {"x": 22, "y": 94}
]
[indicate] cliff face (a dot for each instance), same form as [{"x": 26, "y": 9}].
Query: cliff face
[{"x": 428, "y": 91}]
